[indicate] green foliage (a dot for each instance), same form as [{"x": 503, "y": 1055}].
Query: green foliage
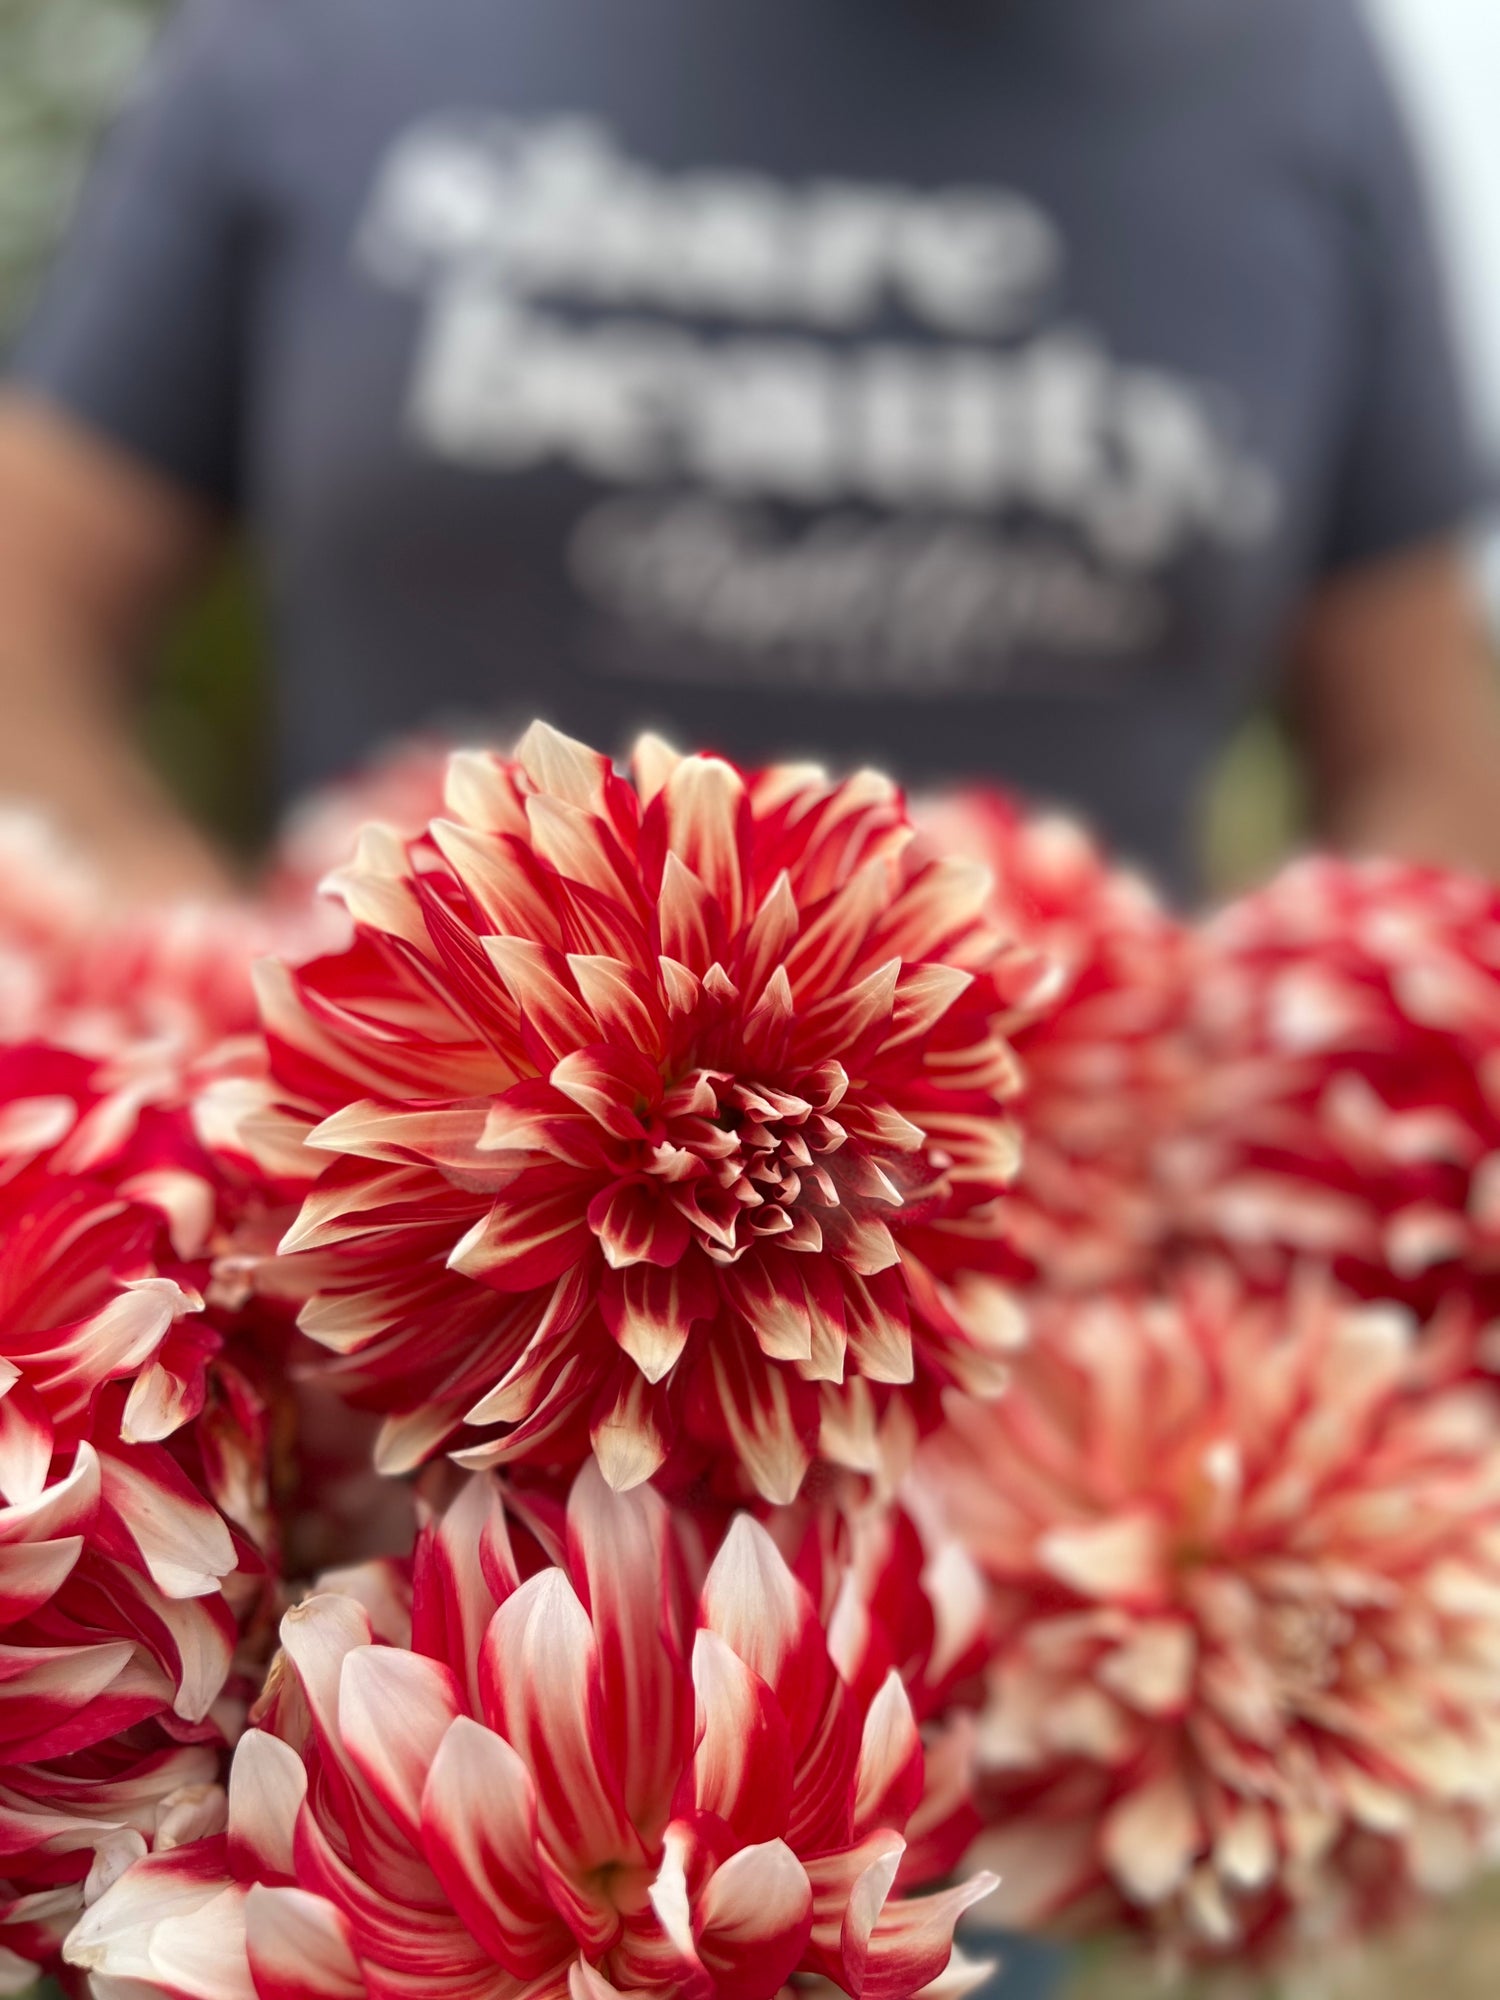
[{"x": 208, "y": 724}]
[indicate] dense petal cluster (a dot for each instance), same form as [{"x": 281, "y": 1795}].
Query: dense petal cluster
[
  {"x": 1244, "y": 1556},
  {"x": 1346, "y": 1102},
  {"x": 664, "y": 1118},
  {"x": 122, "y": 1583},
  {"x": 1101, "y": 1040},
  {"x": 577, "y": 1780}
]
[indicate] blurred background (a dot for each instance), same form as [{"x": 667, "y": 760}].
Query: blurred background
[{"x": 64, "y": 65}]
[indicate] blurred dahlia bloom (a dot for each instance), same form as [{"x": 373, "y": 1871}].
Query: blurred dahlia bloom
[
  {"x": 1245, "y": 1570},
  {"x": 663, "y": 1115},
  {"x": 1100, "y": 1042},
  {"x": 111, "y": 1218},
  {"x": 159, "y": 995},
  {"x": 1346, "y": 1095},
  {"x": 116, "y": 1642},
  {"x": 400, "y": 787},
  {"x": 572, "y": 1784},
  {"x": 130, "y": 1446}
]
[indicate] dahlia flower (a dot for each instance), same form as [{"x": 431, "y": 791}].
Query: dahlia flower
[
  {"x": 81, "y": 969},
  {"x": 132, "y": 1472},
  {"x": 116, "y": 1643},
  {"x": 1347, "y": 1082},
  {"x": 1244, "y": 1557},
  {"x": 113, "y": 1214},
  {"x": 1100, "y": 1042},
  {"x": 656, "y": 1114},
  {"x": 574, "y": 1782}
]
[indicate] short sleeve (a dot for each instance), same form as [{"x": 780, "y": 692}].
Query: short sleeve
[
  {"x": 138, "y": 329},
  {"x": 1410, "y": 467}
]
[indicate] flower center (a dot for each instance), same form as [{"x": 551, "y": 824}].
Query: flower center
[
  {"x": 746, "y": 1161},
  {"x": 1303, "y": 1643}
]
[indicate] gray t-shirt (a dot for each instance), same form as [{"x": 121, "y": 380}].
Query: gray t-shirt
[{"x": 973, "y": 385}]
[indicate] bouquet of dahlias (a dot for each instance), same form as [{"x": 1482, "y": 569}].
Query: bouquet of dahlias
[{"x": 681, "y": 1375}]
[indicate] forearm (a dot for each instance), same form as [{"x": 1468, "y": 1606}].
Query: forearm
[
  {"x": 1431, "y": 792},
  {"x": 94, "y": 550},
  {"x": 1395, "y": 682},
  {"x": 1452, "y": 821}
]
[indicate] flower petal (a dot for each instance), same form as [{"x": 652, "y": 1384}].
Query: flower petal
[
  {"x": 542, "y": 1693},
  {"x": 624, "y": 1560},
  {"x": 753, "y": 1920},
  {"x": 299, "y": 1947},
  {"x": 394, "y": 1710},
  {"x": 479, "y": 1833}
]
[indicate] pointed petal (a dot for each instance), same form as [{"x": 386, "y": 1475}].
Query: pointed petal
[
  {"x": 707, "y": 826},
  {"x": 762, "y": 1613},
  {"x": 184, "y": 1543},
  {"x": 850, "y": 1888},
  {"x": 621, "y": 1554},
  {"x": 267, "y": 1784},
  {"x": 543, "y": 1696},
  {"x": 629, "y": 1432},
  {"x": 479, "y": 1834},
  {"x": 529, "y": 1238},
  {"x": 742, "y": 1765},
  {"x": 650, "y": 1312},
  {"x": 891, "y": 1769},
  {"x": 753, "y": 1920},
  {"x": 769, "y": 1415},
  {"x": 912, "y": 1943},
  {"x": 394, "y": 1710},
  {"x": 299, "y": 1947}
]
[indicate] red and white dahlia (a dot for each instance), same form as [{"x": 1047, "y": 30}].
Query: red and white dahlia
[
  {"x": 1100, "y": 1041},
  {"x": 83, "y": 971},
  {"x": 1244, "y": 1558},
  {"x": 122, "y": 1584},
  {"x": 574, "y": 1784},
  {"x": 664, "y": 1114},
  {"x": 1346, "y": 1096},
  {"x": 116, "y": 1643}
]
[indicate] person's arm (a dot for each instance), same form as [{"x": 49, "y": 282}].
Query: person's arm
[
  {"x": 93, "y": 547},
  {"x": 1394, "y": 685},
  {"x": 1391, "y": 672}
]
